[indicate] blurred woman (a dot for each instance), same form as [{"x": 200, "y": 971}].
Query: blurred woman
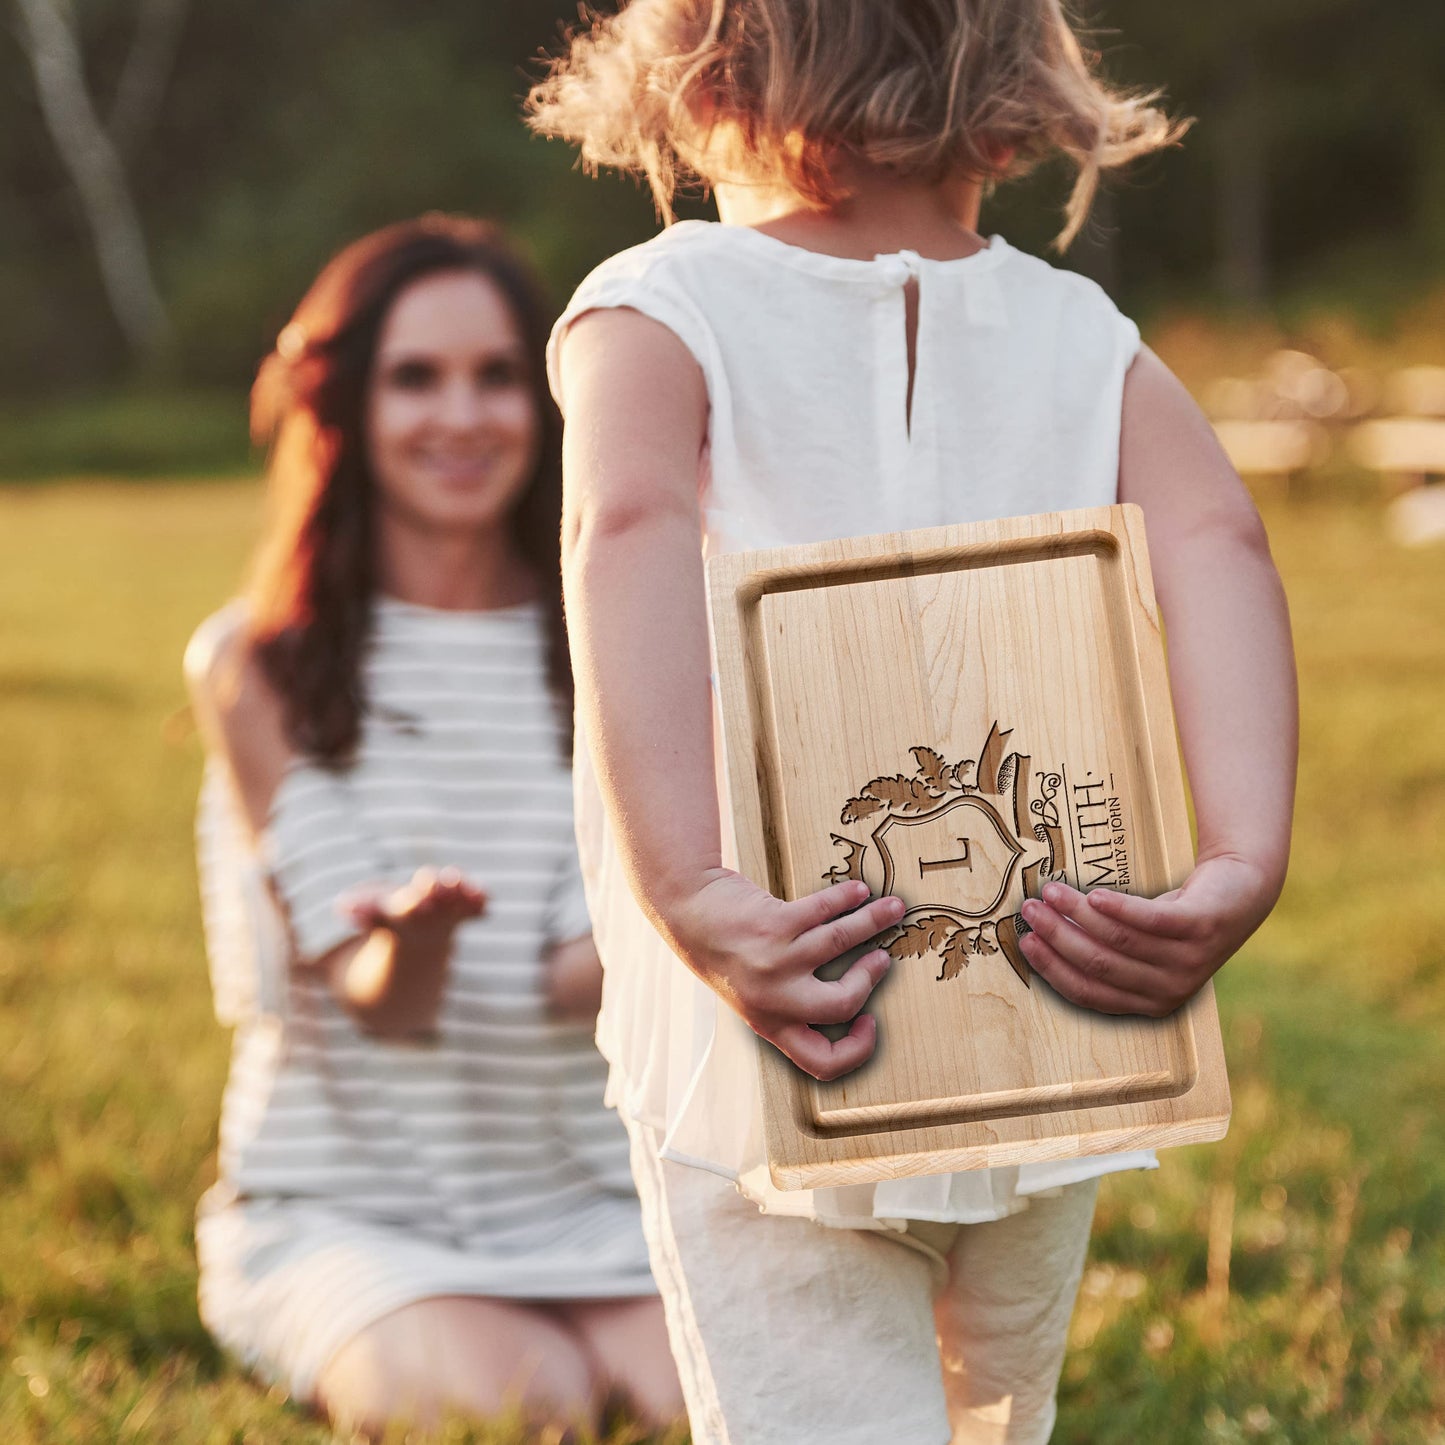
[{"x": 423, "y": 1205}]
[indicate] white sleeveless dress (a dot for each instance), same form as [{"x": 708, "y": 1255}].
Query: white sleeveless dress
[
  {"x": 1017, "y": 394},
  {"x": 358, "y": 1175}
]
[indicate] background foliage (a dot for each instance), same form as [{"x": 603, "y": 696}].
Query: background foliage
[{"x": 1317, "y": 171}]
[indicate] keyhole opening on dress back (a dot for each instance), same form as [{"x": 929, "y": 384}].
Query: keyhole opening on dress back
[{"x": 910, "y": 329}]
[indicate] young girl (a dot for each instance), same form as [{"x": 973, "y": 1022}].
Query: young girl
[
  {"x": 844, "y": 354},
  {"x": 422, "y": 1205}
]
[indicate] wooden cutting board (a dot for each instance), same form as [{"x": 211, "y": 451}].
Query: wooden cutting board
[{"x": 958, "y": 715}]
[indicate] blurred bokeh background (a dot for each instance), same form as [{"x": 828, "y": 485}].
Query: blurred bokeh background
[{"x": 172, "y": 174}]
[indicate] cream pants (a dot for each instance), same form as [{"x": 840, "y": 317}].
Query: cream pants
[{"x": 788, "y": 1332}]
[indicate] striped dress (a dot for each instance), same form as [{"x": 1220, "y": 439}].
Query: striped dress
[{"x": 358, "y": 1175}]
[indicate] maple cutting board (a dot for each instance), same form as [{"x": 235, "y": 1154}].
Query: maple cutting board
[{"x": 958, "y": 715}]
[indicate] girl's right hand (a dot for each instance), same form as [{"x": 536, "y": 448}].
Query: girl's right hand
[{"x": 760, "y": 955}]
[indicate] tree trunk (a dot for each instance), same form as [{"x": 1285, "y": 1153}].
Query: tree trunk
[
  {"x": 96, "y": 170},
  {"x": 1241, "y": 180},
  {"x": 148, "y": 64}
]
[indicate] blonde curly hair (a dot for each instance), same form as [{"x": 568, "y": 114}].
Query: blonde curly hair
[{"x": 689, "y": 91}]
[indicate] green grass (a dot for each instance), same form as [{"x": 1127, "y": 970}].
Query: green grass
[{"x": 1287, "y": 1285}]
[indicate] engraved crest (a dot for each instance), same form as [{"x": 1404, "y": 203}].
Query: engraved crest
[{"x": 962, "y": 844}]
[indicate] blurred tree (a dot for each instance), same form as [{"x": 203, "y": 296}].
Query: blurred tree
[
  {"x": 278, "y": 130},
  {"x": 93, "y": 153},
  {"x": 142, "y": 85},
  {"x": 1317, "y": 119}
]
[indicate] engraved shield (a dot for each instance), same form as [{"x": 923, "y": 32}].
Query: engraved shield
[{"x": 959, "y": 856}]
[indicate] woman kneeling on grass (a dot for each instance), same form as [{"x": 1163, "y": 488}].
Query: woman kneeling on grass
[{"x": 423, "y": 1205}]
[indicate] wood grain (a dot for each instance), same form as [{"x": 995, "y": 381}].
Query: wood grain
[{"x": 957, "y": 715}]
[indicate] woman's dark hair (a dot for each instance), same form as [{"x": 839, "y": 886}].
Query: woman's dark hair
[{"x": 315, "y": 572}]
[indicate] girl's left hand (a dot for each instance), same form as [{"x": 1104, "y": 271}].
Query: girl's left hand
[{"x": 1118, "y": 954}]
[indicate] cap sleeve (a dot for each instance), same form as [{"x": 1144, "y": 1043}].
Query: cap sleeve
[
  {"x": 316, "y": 849},
  {"x": 1129, "y": 340},
  {"x": 246, "y": 947},
  {"x": 1093, "y": 344},
  {"x": 644, "y": 279}
]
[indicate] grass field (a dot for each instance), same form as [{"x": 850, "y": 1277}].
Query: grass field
[{"x": 1287, "y": 1285}]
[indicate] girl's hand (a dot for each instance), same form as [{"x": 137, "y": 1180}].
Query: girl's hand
[
  {"x": 1119, "y": 954},
  {"x": 760, "y": 954}
]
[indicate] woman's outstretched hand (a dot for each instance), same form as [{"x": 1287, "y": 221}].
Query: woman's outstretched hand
[
  {"x": 391, "y": 981},
  {"x": 760, "y": 954},
  {"x": 434, "y": 900},
  {"x": 1119, "y": 954}
]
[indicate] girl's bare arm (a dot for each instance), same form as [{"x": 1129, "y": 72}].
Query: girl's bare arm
[
  {"x": 1231, "y": 667},
  {"x": 632, "y": 573},
  {"x": 391, "y": 974}
]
